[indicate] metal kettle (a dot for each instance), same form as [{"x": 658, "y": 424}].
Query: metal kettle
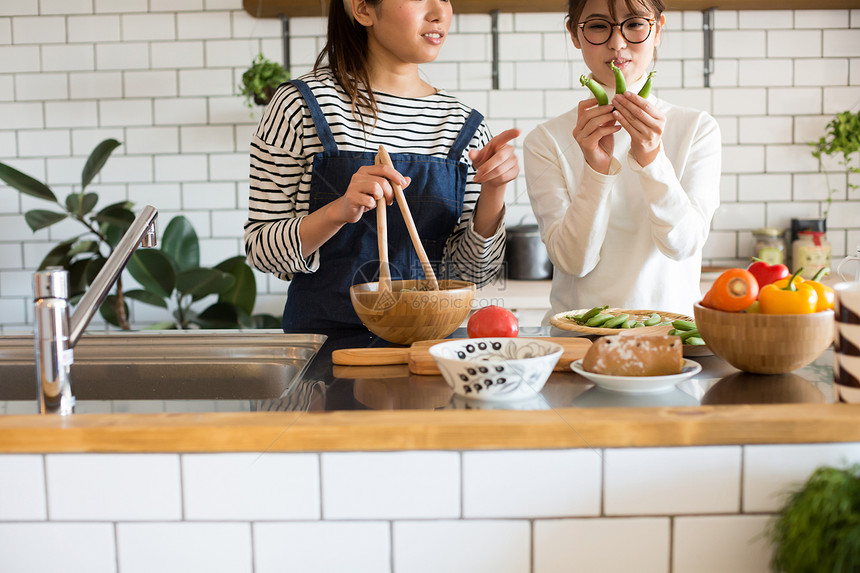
[{"x": 525, "y": 254}]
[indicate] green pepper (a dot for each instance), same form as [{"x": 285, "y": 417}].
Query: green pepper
[
  {"x": 620, "y": 84},
  {"x": 596, "y": 89},
  {"x": 646, "y": 89}
]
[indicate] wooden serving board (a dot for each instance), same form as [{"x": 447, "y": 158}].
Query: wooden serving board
[{"x": 420, "y": 361}]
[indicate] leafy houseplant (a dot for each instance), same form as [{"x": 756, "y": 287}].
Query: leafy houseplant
[
  {"x": 173, "y": 278},
  {"x": 173, "y": 267},
  {"x": 818, "y": 529},
  {"x": 842, "y": 140},
  {"x": 260, "y": 81}
]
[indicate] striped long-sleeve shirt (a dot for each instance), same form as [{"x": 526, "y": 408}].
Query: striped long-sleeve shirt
[{"x": 282, "y": 151}]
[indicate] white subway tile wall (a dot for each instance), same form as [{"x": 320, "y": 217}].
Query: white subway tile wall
[
  {"x": 161, "y": 76},
  {"x": 682, "y": 510}
]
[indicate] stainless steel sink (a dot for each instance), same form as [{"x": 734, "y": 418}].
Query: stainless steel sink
[{"x": 224, "y": 370}]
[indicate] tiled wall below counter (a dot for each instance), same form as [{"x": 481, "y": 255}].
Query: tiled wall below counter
[{"x": 672, "y": 510}]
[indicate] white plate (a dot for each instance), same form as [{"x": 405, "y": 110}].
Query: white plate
[{"x": 639, "y": 384}]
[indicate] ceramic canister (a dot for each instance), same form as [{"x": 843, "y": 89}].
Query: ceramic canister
[{"x": 846, "y": 344}]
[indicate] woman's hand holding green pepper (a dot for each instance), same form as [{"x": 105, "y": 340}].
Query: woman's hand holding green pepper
[{"x": 643, "y": 121}]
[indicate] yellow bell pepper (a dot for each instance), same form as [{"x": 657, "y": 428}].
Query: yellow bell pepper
[
  {"x": 825, "y": 294},
  {"x": 793, "y": 298}
]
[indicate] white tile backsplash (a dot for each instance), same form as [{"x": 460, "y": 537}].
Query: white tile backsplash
[
  {"x": 93, "y": 29},
  {"x": 461, "y": 546},
  {"x": 700, "y": 544},
  {"x": 361, "y": 547},
  {"x": 391, "y": 485},
  {"x": 672, "y": 510},
  {"x": 22, "y": 488},
  {"x": 638, "y": 481},
  {"x": 184, "y": 547},
  {"x": 251, "y": 486},
  {"x": 67, "y": 547},
  {"x": 618, "y": 545},
  {"x": 93, "y": 487},
  {"x": 552, "y": 483}
]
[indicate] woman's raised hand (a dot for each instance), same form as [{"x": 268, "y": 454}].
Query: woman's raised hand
[
  {"x": 643, "y": 121},
  {"x": 369, "y": 184},
  {"x": 496, "y": 163},
  {"x": 594, "y": 131}
]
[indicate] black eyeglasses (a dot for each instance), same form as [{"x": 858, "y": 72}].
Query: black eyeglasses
[{"x": 635, "y": 30}]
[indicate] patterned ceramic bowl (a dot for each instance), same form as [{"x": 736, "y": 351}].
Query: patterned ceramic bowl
[{"x": 496, "y": 369}]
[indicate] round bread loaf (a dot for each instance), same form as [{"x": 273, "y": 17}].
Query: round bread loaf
[{"x": 625, "y": 355}]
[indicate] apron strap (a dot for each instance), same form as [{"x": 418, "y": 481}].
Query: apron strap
[
  {"x": 465, "y": 136},
  {"x": 323, "y": 130}
]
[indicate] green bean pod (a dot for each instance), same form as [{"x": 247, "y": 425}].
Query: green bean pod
[
  {"x": 592, "y": 313},
  {"x": 653, "y": 319},
  {"x": 694, "y": 341},
  {"x": 687, "y": 334},
  {"x": 684, "y": 324},
  {"x": 646, "y": 89},
  {"x": 598, "y": 320},
  {"x": 596, "y": 89},
  {"x": 620, "y": 84},
  {"x": 617, "y": 321}
]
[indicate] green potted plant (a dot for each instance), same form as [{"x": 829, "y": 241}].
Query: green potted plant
[
  {"x": 842, "y": 141},
  {"x": 260, "y": 81},
  {"x": 170, "y": 272},
  {"x": 818, "y": 528}
]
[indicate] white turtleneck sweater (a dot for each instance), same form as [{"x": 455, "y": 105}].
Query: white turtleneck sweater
[{"x": 633, "y": 238}]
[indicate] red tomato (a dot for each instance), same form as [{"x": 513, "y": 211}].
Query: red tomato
[{"x": 492, "y": 321}]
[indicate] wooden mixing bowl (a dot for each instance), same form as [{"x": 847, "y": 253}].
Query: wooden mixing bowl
[
  {"x": 765, "y": 343},
  {"x": 407, "y": 316}
]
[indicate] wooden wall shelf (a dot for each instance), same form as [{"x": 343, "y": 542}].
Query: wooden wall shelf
[{"x": 299, "y": 8}]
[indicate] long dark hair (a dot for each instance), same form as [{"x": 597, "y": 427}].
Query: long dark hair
[{"x": 345, "y": 54}]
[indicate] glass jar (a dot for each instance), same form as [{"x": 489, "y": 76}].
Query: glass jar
[
  {"x": 769, "y": 245},
  {"x": 811, "y": 250}
]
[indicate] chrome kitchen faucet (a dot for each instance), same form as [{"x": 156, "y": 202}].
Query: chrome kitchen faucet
[{"x": 56, "y": 334}]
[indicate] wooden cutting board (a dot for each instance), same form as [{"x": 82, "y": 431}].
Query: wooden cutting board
[{"x": 420, "y": 361}]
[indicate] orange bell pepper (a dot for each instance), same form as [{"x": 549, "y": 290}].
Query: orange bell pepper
[
  {"x": 793, "y": 298},
  {"x": 825, "y": 294},
  {"x": 733, "y": 291}
]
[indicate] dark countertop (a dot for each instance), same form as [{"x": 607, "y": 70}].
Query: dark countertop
[{"x": 395, "y": 388}]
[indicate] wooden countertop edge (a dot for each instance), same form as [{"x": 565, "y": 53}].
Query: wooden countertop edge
[{"x": 431, "y": 430}]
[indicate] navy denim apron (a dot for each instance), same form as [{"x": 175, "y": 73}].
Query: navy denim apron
[{"x": 319, "y": 301}]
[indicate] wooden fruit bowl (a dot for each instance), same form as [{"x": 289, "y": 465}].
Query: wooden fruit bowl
[
  {"x": 407, "y": 316},
  {"x": 765, "y": 343}
]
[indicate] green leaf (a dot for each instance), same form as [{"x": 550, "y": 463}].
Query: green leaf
[
  {"x": 26, "y": 184},
  {"x": 59, "y": 256},
  {"x": 202, "y": 282},
  {"x": 219, "y": 315},
  {"x": 94, "y": 267},
  {"x": 39, "y": 218},
  {"x": 265, "y": 321},
  {"x": 244, "y": 293},
  {"x": 146, "y": 297},
  {"x": 180, "y": 242},
  {"x": 81, "y": 204},
  {"x": 84, "y": 247},
  {"x": 97, "y": 160},
  {"x": 78, "y": 277},
  {"x": 154, "y": 271},
  {"x": 108, "y": 310},
  {"x": 119, "y": 214}
]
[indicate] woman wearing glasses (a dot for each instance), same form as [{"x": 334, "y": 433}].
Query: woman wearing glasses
[{"x": 623, "y": 193}]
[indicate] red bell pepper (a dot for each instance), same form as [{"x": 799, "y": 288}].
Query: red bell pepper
[{"x": 766, "y": 274}]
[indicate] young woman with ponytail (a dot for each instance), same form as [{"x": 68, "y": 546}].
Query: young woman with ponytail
[{"x": 313, "y": 182}]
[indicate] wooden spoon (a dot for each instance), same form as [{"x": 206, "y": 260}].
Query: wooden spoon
[
  {"x": 383, "y": 158},
  {"x": 382, "y": 244}
]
